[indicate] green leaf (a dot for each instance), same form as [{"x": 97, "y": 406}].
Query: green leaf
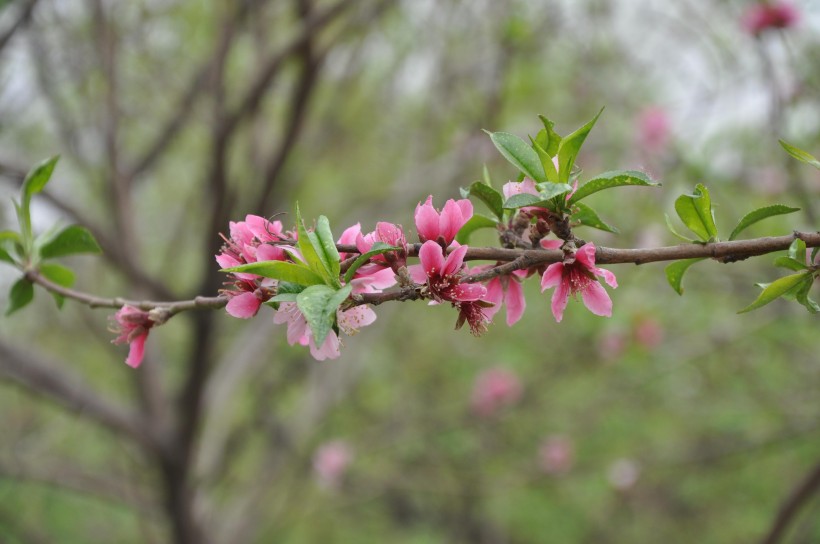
[
  {"x": 477, "y": 221},
  {"x": 671, "y": 228},
  {"x": 285, "y": 292},
  {"x": 279, "y": 270},
  {"x": 60, "y": 275},
  {"x": 489, "y": 196},
  {"x": 799, "y": 154},
  {"x": 803, "y": 298},
  {"x": 310, "y": 248},
  {"x": 546, "y": 162},
  {"x": 37, "y": 178},
  {"x": 777, "y": 289},
  {"x": 327, "y": 244},
  {"x": 589, "y": 217},
  {"x": 318, "y": 304},
  {"x": 570, "y": 146},
  {"x": 552, "y": 141},
  {"x": 519, "y": 154},
  {"x": 608, "y": 180},
  {"x": 695, "y": 211},
  {"x": 487, "y": 176},
  {"x": 797, "y": 250},
  {"x": 675, "y": 272},
  {"x": 543, "y": 199},
  {"x": 71, "y": 240},
  {"x": 378, "y": 248},
  {"x": 21, "y": 293},
  {"x": 761, "y": 213},
  {"x": 790, "y": 263}
]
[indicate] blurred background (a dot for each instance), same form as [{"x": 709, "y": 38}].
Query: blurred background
[{"x": 676, "y": 420}]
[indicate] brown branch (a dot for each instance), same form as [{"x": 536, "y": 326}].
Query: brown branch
[
  {"x": 50, "y": 379},
  {"x": 798, "y": 498},
  {"x": 22, "y": 20}
]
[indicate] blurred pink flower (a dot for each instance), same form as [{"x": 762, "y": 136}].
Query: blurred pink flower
[
  {"x": 495, "y": 389},
  {"x": 578, "y": 275},
  {"x": 330, "y": 463},
  {"x": 623, "y": 474},
  {"x": 556, "y": 455},
  {"x": 132, "y": 325},
  {"x": 648, "y": 333},
  {"x": 767, "y": 15},
  {"x": 611, "y": 345},
  {"x": 442, "y": 227},
  {"x": 653, "y": 129}
]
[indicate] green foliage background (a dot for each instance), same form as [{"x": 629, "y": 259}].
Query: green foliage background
[{"x": 717, "y": 412}]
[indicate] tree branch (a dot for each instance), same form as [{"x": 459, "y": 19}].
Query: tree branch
[{"x": 798, "y": 498}]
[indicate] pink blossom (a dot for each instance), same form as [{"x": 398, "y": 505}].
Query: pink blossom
[
  {"x": 349, "y": 322},
  {"x": 556, "y": 455},
  {"x": 611, "y": 346},
  {"x": 648, "y": 333},
  {"x": 578, "y": 275},
  {"x": 386, "y": 233},
  {"x": 512, "y": 188},
  {"x": 443, "y": 278},
  {"x": 767, "y": 15},
  {"x": 330, "y": 463},
  {"x": 495, "y": 389},
  {"x": 443, "y": 226},
  {"x": 653, "y": 129},
  {"x": 507, "y": 290},
  {"x": 132, "y": 326}
]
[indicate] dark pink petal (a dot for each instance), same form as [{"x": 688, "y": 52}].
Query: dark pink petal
[
  {"x": 466, "y": 208},
  {"x": 551, "y": 244},
  {"x": 350, "y": 234},
  {"x": 454, "y": 261},
  {"x": 449, "y": 221},
  {"x": 495, "y": 294},
  {"x": 427, "y": 220},
  {"x": 243, "y": 306},
  {"x": 552, "y": 276},
  {"x": 597, "y": 299},
  {"x": 226, "y": 261},
  {"x": 586, "y": 256},
  {"x": 609, "y": 277},
  {"x": 136, "y": 351},
  {"x": 268, "y": 252},
  {"x": 432, "y": 258},
  {"x": 467, "y": 292},
  {"x": 559, "y": 300},
  {"x": 515, "y": 302}
]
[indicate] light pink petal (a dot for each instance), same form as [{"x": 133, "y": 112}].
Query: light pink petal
[
  {"x": 377, "y": 278},
  {"x": 352, "y": 320},
  {"x": 597, "y": 299},
  {"x": 466, "y": 208},
  {"x": 417, "y": 273},
  {"x": 586, "y": 255},
  {"x": 350, "y": 233},
  {"x": 329, "y": 348},
  {"x": 432, "y": 258},
  {"x": 136, "y": 351},
  {"x": 515, "y": 302},
  {"x": 551, "y": 244},
  {"x": 559, "y": 300},
  {"x": 609, "y": 277},
  {"x": 454, "y": 261},
  {"x": 450, "y": 220},
  {"x": 495, "y": 294},
  {"x": 243, "y": 306},
  {"x": 226, "y": 261},
  {"x": 553, "y": 276},
  {"x": 427, "y": 220},
  {"x": 467, "y": 292},
  {"x": 268, "y": 252}
]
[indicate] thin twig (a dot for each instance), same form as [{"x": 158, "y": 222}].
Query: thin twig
[{"x": 791, "y": 507}]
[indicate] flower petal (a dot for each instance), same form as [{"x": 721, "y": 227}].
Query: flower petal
[
  {"x": 427, "y": 219},
  {"x": 597, "y": 299},
  {"x": 559, "y": 300},
  {"x": 495, "y": 294},
  {"x": 586, "y": 255},
  {"x": 417, "y": 273},
  {"x": 432, "y": 258},
  {"x": 516, "y": 304},
  {"x": 243, "y": 306},
  {"x": 454, "y": 261},
  {"x": 609, "y": 277},
  {"x": 551, "y": 244},
  {"x": 136, "y": 351},
  {"x": 552, "y": 276},
  {"x": 467, "y": 292}
]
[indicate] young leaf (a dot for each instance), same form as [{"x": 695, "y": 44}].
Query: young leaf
[
  {"x": 608, "y": 180},
  {"x": 21, "y": 293},
  {"x": 761, "y": 213},
  {"x": 328, "y": 246},
  {"x": 5, "y": 257},
  {"x": 280, "y": 270},
  {"x": 318, "y": 304},
  {"x": 477, "y": 221},
  {"x": 570, "y": 146},
  {"x": 803, "y": 298},
  {"x": 37, "y": 178},
  {"x": 378, "y": 248},
  {"x": 546, "y": 193},
  {"x": 589, "y": 217},
  {"x": 695, "y": 211},
  {"x": 799, "y": 154},
  {"x": 551, "y": 138},
  {"x": 790, "y": 263},
  {"x": 671, "y": 228},
  {"x": 797, "y": 250},
  {"x": 546, "y": 162},
  {"x": 489, "y": 196},
  {"x": 675, "y": 272},
  {"x": 60, "y": 275},
  {"x": 519, "y": 154},
  {"x": 71, "y": 240},
  {"x": 310, "y": 248},
  {"x": 777, "y": 289}
]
